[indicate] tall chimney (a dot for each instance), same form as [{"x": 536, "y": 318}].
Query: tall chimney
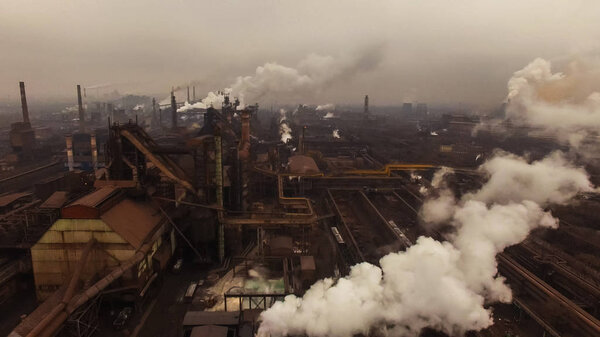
[
  {"x": 194, "y": 93},
  {"x": 366, "y": 105},
  {"x": 154, "y": 119},
  {"x": 244, "y": 146},
  {"x": 94, "y": 151},
  {"x": 24, "y": 103},
  {"x": 301, "y": 140},
  {"x": 174, "y": 111},
  {"x": 69, "y": 140},
  {"x": 188, "y": 94},
  {"x": 80, "y": 105},
  {"x": 245, "y": 126}
]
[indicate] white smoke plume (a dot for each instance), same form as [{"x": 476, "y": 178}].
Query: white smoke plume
[
  {"x": 336, "y": 134},
  {"x": 214, "y": 100},
  {"x": 310, "y": 76},
  {"x": 138, "y": 107},
  {"x": 328, "y": 115},
  {"x": 440, "y": 285},
  {"x": 564, "y": 104},
  {"x": 284, "y": 129},
  {"x": 328, "y": 106}
]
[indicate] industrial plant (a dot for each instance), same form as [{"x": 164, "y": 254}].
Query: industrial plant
[
  {"x": 300, "y": 168},
  {"x": 194, "y": 218}
]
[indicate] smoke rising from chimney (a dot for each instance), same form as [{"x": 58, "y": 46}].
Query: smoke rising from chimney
[
  {"x": 214, "y": 100},
  {"x": 440, "y": 285},
  {"x": 312, "y": 74},
  {"x": 284, "y": 129}
]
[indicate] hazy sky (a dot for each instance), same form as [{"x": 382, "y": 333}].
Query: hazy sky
[{"x": 433, "y": 50}]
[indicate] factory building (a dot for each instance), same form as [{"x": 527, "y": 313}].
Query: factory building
[{"x": 117, "y": 225}]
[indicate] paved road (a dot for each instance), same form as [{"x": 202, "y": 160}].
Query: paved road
[{"x": 166, "y": 315}]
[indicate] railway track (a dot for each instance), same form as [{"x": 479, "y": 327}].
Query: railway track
[
  {"x": 556, "y": 313},
  {"x": 397, "y": 214},
  {"x": 362, "y": 228},
  {"x": 554, "y": 270},
  {"x": 552, "y": 310}
]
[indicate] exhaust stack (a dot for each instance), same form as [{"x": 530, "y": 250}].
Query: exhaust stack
[
  {"x": 366, "y": 105},
  {"x": 244, "y": 146},
  {"x": 94, "y": 151},
  {"x": 69, "y": 140},
  {"x": 301, "y": 140},
  {"x": 81, "y": 113},
  {"x": 174, "y": 111},
  {"x": 24, "y": 103}
]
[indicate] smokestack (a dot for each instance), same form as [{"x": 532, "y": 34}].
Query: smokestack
[
  {"x": 244, "y": 147},
  {"x": 301, "y": 140},
  {"x": 24, "y": 103},
  {"x": 94, "y": 151},
  {"x": 188, "y": 94},
  {"x": 69, "y": 140},
  {"x": 366, "y": 105},
  {"x": 174, "y": 111},
  {"x": 245, "y": 126},
  {"x": 194, "y": 93},
  {"x": 154, "y": 119},
  {"x": 80, "y": 105}
]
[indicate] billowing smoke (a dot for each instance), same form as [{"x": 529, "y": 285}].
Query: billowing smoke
[
  {"x": 561, "y": 104},
  {"x": 440, "y": 285},
  {"x": 284, "y": 129},
  {"x": 328, "y": 115},
  {"x": 138, "y": 107},
  {"x": 310, "y": 76},
  {"x": 328, "y": 106},
  {"x": 336, "y": 134},
  {"x": 214, "y": 100}
]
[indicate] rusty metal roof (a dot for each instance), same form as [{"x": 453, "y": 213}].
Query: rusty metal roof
[
  {"x": 195, "y": 318},
  {"x": 209, "y": 331},
  {"x": 8, "y": 199},
  {"x": 56, "y": 200},
  {"x": 97, "y": 197},
  {"x": 133, "y": 221},
  {"x": 302, "y": 165}
]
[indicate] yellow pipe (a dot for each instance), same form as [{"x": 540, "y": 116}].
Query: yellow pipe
[{"x": 387, "y": 170}]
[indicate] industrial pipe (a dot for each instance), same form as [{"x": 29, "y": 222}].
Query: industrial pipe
[
  {"x": 41, "y": 328},
  {"x": 59, "y": 315}
]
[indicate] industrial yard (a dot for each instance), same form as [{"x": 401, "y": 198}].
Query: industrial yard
[
  {"x": 300, "y": 169},
  {"x": 173, "y": 228}
]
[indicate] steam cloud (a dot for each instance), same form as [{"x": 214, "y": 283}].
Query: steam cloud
[
  {"x": 211, "y": 100},
  {"x": 328, "y": 106},
  {"x": 562, "y": 104},
  {"x": 284, "y": 129},
  {"x": 311, "y": 75},
  {"x": 328, "y": 115},
  {"x": 441, "y": 285}
]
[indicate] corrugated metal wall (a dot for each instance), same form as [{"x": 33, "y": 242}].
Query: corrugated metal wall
[{"x": 56, "y": 254}]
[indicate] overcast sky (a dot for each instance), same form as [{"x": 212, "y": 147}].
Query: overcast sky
[{"x": 432, "y": 50}]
